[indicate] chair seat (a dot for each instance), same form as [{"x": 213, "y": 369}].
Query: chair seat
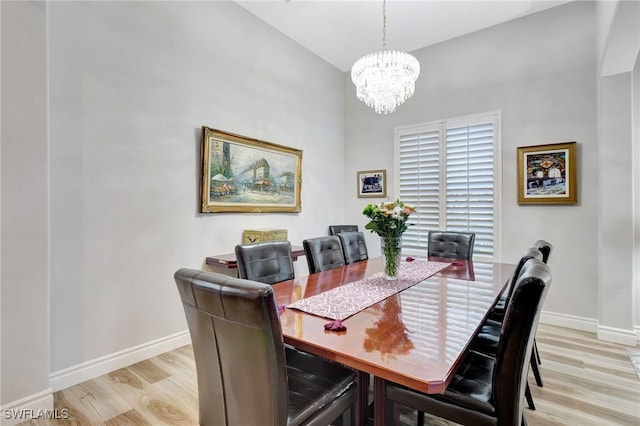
[
  {"x": 315, "y": 384},
  {"x": 469, "y": 393},
  {"x": 487, "y": 341}
]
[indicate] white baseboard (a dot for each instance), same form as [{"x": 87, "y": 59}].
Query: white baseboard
[
  {"x": 67, "y": 377},
  {"x": 617, "y": 335},
  {"x": 39, "y": 405},
  {"x": 607, "y": 334},
  {"x": 569, "y": 321}
]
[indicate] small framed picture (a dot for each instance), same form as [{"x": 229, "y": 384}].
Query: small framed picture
[
  {"x": 372, "y": 184},
  {"x": 547, "y": 174}
]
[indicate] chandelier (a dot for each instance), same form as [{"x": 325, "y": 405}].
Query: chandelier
[{"x": 385, "y": 79}]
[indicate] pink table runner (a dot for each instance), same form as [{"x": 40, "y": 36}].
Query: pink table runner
[{"x": 349, "y": 299}]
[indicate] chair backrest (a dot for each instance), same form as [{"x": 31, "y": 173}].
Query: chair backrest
[
  {"x": 336, "y": 229},
  {"x": 455, "y": 245},
  {"x": 238, "y": 349},
  {"x": 530, "y": 253},
  {"x": 545, "y": 248},
  {"x": 354, "y": 247},
  {"x": 323, "y": 253},
  {"x": 268, "y": 262},
  {"x": 516, "y": 341}
]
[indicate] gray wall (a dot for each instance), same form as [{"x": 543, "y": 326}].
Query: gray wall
[
  {"x": 24, "y": 312},
  {"x": 618, "y": 119},
  {"x": 540, "y": 71},
  {"x": 616, "y": 225},
  {"x": 100, "y": 161},
  {"x": 636, "y": 179},
  {"x": 126, "y": 111},
  {"x": 129, "y": 86}
]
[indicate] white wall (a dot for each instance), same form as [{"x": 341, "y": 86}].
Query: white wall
[
  {"x": 540, "y": 71},
  {"x": 24, "y": 337},
  {"x": 616, "y": 225},
  {"x": 636, "y": 155},
  {"x": 129, "y": 94},
  {"x": 129, "y": 86},
  {"x": 618, "y": 118}
]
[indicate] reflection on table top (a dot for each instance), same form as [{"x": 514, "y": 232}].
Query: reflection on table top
[{"x": 414, "y": 337}]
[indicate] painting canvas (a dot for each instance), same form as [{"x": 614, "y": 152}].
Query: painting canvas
[
  {"x": 547, "y": 174},
  {"x": 372, "y": 183},
  {"x": 240, "y": 174}
]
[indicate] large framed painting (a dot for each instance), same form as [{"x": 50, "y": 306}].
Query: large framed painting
[
  {"x": 547, "y": 174},
  {"x": 241, "y": 174},
  {"x": 372, "y": 183}
]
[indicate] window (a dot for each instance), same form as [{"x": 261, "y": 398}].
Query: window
[{"x": 450, "y": 170}]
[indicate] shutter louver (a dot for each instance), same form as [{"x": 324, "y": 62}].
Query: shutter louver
[
  {"x": 470, "y": 183},
  {"x": 419, "y": 177},
  {"x": 447, "y": 171}
]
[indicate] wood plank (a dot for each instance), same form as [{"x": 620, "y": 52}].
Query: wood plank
[{"x": 586, "y": 382}]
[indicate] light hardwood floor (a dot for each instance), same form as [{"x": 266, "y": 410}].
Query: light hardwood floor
[{"x": 586, "y": 383}]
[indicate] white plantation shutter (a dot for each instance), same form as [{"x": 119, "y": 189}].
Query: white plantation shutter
[
  {"x": 470, "y": 183},
  {"x": 449, "y": 170},
  {"x": 419, "y": 171}
]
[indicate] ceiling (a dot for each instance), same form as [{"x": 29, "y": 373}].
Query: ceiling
[{"x": 341, "y": 31}]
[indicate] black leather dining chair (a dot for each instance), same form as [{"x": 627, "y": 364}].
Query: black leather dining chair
[
  {"x": 488, "y": 390},
  {"x": 486, "y": 340},
  {"x": 545, "y": 248},
  {"x": 498, "y": 310},
  {"x": 541, "y": 250},
  {"x": 323, "y": 253},
  {"x": 449, "y": 244},
  {"x": 336, "y": 229},
  {"x": 488, "y": 337},
  {"x": 354, "y": 247},
  {"x": 268, "y": 262},
  {"x": 246, "y": 376}
]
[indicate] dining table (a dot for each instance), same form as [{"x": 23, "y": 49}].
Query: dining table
[{"x": 416, "y": 337}]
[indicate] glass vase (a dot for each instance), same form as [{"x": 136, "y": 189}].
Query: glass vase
[{"x": 391, "y": 248}]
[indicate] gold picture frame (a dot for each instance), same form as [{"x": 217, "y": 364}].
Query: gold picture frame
[
  {"x": 246, "y": 175},
  {"x": 547, "y": 174},
  {"x": 372, "y": 183}
]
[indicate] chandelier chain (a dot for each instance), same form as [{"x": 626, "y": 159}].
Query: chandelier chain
[{"x": 384, "y": 25}]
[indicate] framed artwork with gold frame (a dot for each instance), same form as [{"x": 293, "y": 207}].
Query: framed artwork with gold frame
[
  {"x": 547, "y": 174},
  {"x": 242, "y": 174}
]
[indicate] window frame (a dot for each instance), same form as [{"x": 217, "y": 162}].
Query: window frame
[{"x": 441, "y": 126}]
